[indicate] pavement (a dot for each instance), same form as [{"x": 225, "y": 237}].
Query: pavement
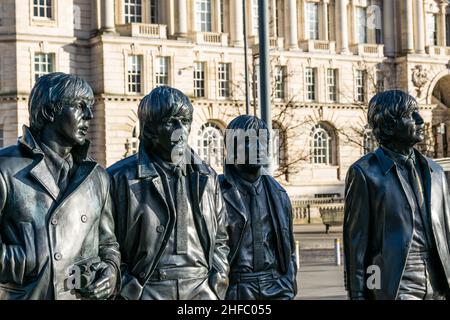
[{"x": 319, "y": 278}]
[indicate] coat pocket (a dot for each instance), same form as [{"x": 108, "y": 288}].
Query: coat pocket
[
  {"x": 30, "y": 249},
  {"x": 11, "y": 292}
]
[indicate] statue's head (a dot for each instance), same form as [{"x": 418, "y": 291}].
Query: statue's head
[
  {"x": 394, "y": 117},
  {"x": 246, "y": 142},
  {"x": 62, "y": 103},
  {"x": 165, "y": 117}
]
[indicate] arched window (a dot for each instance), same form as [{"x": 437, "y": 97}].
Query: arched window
[
  {"x": 210, "y": 145},
  {"x": 324, "y": 145}
]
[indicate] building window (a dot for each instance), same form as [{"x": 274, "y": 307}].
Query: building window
[
  {"x": 135, "y": 74},
  {"x": 321, "y": 146},
  {"x": 2, "y": 137},
  {"x": 255, "y": 17},
  {"x": 312, "y": 23},
  {"x": 203, "y": 15},
  {"x": 380, "y": 81},
  {"x": 432, "y": 29},
  {"x": 332, "y": 85},
  {"x": 224, "y": 79},
  {"x": 361, "y": 25},
  {"x": 133, "y": 11},
  {"x": 43, "y": 9},
  {"x": 369, "y": 142},
  {"x": 222, "y": 16},
  {"x": 210, "y": 145},
  {"x": 280, "y": 85},
  {"x": 311, "y": 84},
  {"x": 44, "y": 63},
  {"x": 162, "y": 71},
  {"x": 154, "y": 11},
  {"x": 360, "y": 85},
  {"x": 199, "y": 79}
]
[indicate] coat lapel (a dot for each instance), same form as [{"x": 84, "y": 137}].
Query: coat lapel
[{"x": 43, "y": 176}]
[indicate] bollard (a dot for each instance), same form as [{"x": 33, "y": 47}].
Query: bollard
[
  {"x": 337, "y": 251},
  {"x": 297, "y": 253}
]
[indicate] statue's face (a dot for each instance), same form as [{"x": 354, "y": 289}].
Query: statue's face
[
  {"x": 170, "y": 138},
  {"x": 72, "y": 123},
  {"x": 255, "y": 154},
  {"x": 410, "y": 129}
]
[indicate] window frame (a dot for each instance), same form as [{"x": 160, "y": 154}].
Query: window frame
[
  {"x": 165, "y": 68},
  {"x": 224, "y": 80},
  {"x": 321, "y": 155},
  {"x": 334, "y": 84},
  {"x": 199, "y": 80},
  {"x": 135, "y": 74},
  {"x": 311, "y": 95},
  {"x": 312, "y": 27},
  {"x": 51, "y": 67},
  {"x": 203, "y": 17},
  {"x": 280, "y": 75},
  {"x": 135, "y": 17},
  {"x": 361, "y": 88}
]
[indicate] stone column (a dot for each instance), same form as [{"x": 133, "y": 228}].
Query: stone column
[
  {"x": 291, "y": 23},
  {"x": 237, "y": 26},
  {"x": 218, "y": 17},
  {"x": 325, "y": 19},
  {"x": 420, "y": 29},
  {"x": 341, "y": 12},
  {"x": 442, "y": 26},
  {"x": 409, "y": 26},
  {"x": 181, "y": 10},
  {"x": 388, "y": 28},
  {"x": 108, "y": 24}
]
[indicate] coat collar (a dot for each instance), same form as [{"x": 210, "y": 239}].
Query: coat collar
[
  {"x": 28, "y": 141},
  {"x": 387, "y": 163},
  {"x": 40, "y": 170},
  {"x": 146, "y": 167}
]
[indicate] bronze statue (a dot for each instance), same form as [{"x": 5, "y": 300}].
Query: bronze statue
[
  {"x": 262, "y": 250},
  {"x": 56, "y": 226},
  {"x": 170, "y": 219},
  {"x": 396, "y": 225}
]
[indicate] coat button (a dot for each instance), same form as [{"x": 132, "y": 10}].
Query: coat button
[
  {"x": 142, "y": 275},
  {"x": 160, "y": 228},
  {"x": 54, "y": 221},
  {"x": 241, "y": 225},
  {"x": 83, "y": 218},
  {"x": 162, "y": 274},
  {"x": 58, "y": 256}
]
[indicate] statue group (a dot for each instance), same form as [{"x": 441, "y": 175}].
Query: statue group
[
  {"x": 157, "y": 225},
  {"x": 162, "y": 225}
]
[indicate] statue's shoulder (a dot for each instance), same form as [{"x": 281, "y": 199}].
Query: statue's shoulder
[{"x": 125, "y": 166}]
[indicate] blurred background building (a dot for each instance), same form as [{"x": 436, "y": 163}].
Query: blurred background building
[{"x": 328, "y": 58}]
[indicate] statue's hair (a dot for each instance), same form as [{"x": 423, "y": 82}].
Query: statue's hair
[
  {"x": 385, "y": 110},
  {"x": 247, "y": 122},
  {"x": 51, "y": 92},
  {"x": 159, "y": 105}
]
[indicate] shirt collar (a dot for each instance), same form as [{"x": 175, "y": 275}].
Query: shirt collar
[
  {"x": 168, "y": 167},
  {"x": 245, "y": 186},
  {"x": 398, "y": 158},
  {"x": 54, "y": 161}
]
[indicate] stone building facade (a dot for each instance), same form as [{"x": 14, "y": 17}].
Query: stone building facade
[{"x": 328, "y": 58}]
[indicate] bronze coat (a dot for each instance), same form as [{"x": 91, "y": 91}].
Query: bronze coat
[
  {"x": 282, "y": 221},
  {"x": 144, "y": 222},
  {"x": 378, "y": 222},
  {"x": 40, "y": 237}
]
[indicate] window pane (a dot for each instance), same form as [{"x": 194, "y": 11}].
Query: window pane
[
  {"x": 203, "y": 15},
  {"x": 312, "y": 16}
]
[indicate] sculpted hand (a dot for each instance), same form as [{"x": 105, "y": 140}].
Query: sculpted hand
[{"x": 104, "y": 283}]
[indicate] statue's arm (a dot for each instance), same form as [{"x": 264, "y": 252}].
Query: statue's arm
[{"x": 356, "y": 231}]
